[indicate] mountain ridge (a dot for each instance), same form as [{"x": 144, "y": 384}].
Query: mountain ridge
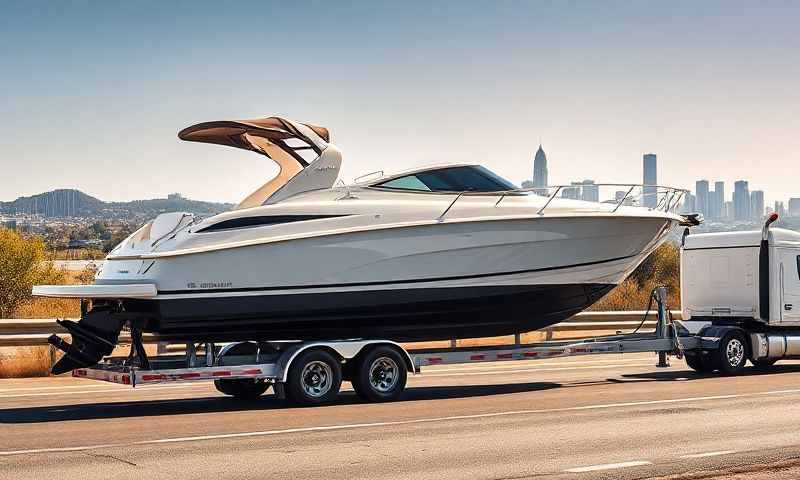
[{"x": 67, "y": 202}]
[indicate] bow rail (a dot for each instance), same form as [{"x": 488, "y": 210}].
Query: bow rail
[{"x": 652, "y": 197}]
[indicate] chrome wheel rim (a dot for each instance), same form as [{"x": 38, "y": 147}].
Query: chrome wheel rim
[
  {"x": 735, "y": 352},
  {"x": 383, "y": 374},
  {"x": 316, "y": 378}
]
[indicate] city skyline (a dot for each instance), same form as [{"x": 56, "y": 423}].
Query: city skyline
[{"x": 710, "y": 87}]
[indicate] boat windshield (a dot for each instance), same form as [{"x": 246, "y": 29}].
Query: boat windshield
[{"x": 471, "y": 178}]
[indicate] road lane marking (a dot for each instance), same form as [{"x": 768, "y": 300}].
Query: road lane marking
[
  {"x": 421, "y": 420},
  {"x": 709, "y": 454},
  {"x": 608, "y": 466}
]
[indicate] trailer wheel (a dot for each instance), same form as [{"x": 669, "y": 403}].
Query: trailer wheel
[
  {"x": 731, "y": 356},
  {"x": 698, "y": 362},
  {"x": 380, "y": 375},
  {"x": 764, "y": 363},
  {"x": 314, "y": 378},
  {"x": 242, "y": 388}
]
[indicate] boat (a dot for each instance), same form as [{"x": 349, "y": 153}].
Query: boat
[{"x": 442, "y": 252}]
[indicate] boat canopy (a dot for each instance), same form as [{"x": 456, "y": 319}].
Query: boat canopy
[{"x": 292, "y": 145}]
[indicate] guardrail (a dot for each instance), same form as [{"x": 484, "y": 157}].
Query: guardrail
[{"x": 34, "y": 332}]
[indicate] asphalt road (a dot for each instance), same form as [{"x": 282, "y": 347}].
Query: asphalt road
[{"x": 592, "y": 417}]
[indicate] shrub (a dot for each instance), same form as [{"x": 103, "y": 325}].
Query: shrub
[
  {"x": 660, "y": 268},
  {"x": 23, "y": 264}
]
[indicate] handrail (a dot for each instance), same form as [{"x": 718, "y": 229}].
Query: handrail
[
  {"x": 665, "y": 195},
  {"x": 441, "y": 217},
  {"x": 541, "y": 210}
]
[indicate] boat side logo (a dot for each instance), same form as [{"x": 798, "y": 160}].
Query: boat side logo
[{"x": 209, "y": 285}]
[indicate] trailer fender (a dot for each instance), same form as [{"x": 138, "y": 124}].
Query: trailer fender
[
  {"x": 345, "y": 350},
  {"x": 711, "y": 335}
]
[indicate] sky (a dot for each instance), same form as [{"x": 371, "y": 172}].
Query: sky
[{"x": 92, "y": 94}]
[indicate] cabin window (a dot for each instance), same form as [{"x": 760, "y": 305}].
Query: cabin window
[
  {"x": 410, "y": 182},
  {"x": 261, "y": 221},
  {"x": 452, "y": 179}
]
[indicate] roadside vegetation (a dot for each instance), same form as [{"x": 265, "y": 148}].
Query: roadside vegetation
[{"x": 661, "y": 268}]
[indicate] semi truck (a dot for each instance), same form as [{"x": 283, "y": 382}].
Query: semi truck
[
  {"x": 740, "y": 302},
  {"x": 740, "y": 295}
]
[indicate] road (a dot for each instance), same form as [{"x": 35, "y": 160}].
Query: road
[{"x": 613, "y": 416}]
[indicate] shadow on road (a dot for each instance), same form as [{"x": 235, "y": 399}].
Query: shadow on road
[
  {"x": 688, "y": 375},
  {"x": 148, "y": 408}
]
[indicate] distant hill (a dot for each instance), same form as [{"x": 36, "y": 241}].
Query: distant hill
[{"x": 74, "y": 203}]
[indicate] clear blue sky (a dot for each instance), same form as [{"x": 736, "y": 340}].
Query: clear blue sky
[{"x": 93, "y": 93}]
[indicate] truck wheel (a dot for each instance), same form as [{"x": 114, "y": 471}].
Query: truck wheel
[
  {"x": 314, "y": 378},
  {"x": 764, "y": 363},
  {"x": 731, "y": 356},
  {"x": 380, "y": 375},
  {"x": 698, "y": 362},
  {"x": 242, "y": 388}
]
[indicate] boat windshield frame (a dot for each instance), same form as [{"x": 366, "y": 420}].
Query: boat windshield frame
[{"x": 435, "y": 180}]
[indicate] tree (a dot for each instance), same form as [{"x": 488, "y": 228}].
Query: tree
[{"x": 23, "y": 264}]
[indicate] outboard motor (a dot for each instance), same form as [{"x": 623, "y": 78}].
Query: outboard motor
[{"x": 93, "y": 338}]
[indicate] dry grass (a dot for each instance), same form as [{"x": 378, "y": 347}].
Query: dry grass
[
  {"x": 56, "y": 307},
  {"x": 661, "y": 268},
  {"x": 21, "y": 362}
]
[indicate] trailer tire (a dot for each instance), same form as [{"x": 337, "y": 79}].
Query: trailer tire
[
  {"x": 314, "y": 378},
  {"x": 380, "y": 375},
  {"x": 242, "y": 388},
  {"x": 764, "y": 363},
  {"x": 731, "y": 356},
  {"x": 698, "y": 362}
]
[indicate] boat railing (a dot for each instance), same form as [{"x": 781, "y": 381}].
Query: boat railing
[{"x": 652, "y": 197}]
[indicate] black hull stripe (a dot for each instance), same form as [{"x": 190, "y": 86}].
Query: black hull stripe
[{"x": 387, "y": 282}]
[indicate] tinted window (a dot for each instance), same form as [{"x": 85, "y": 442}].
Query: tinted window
[
  {"x": 453, "y": 179},
  {"x": 410, "y": 182}
]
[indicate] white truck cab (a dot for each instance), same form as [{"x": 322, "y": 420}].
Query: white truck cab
[
  {"x": 721, "y": 276},
  {"x": 740, "y": 294}
]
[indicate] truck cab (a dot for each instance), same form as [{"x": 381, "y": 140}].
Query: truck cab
[
  {"x": 740, "y": 297},
  {"x": 721, "y": 277}
]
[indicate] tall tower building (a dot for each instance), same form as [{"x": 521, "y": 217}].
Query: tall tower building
[
  {"x": 741, "y": 200},
  {"x": 780, "y": 209},
  {"x": 540, "y": 169},
  {"x": 701, "y": 197},
  {"x": 719, "y": 199},
  {"x": 650, "y": 177},
  {"x": 756, "y": 204}
]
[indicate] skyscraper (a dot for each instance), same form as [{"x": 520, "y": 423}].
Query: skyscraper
[
  {"x": 756, "y": 204},
  {"x": 701, "y": 197},
  {"x": 540, "y": 169},
  {"x": 741, "y": 200},
  {"x": 719, "y": 200},
  {"x": 713, "y": 212},
  {"x": 650, "y": 177},
  {"x": 590, "y": 192},
  {"x": 794, "y": 207},
  {"x": 780, "y": 209},
  {"x": 688, "y": 204}
]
